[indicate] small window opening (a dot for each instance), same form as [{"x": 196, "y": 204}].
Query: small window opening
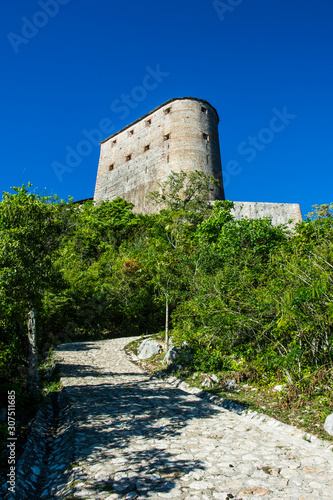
[
  {"x": 168, "y": 158},
  {"x": 130, "y": 133},
  {"x": 128, "y": 157},
  {"x": 205, "y": 137},
  {"x": 167, "y": 137},
  {"x": 167, "y": 111},
  {"x": 111, "y": 167},
  {"x": 203, "y": 109},
  {"x": 148, "y": 122},
  {"x": 146, "y": 148},
  {"x": 113, "y": 143}
]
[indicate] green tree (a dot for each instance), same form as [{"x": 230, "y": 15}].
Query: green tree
[
  {"x": 164, "y": 265},
  {"x": 31, "y": 229},
  {"x": 185, "y": 202},
  {"x": 221, "y": 314},
  {"x": 231, "y": 237},
  {"x": 190, "y": 192},
  {"x": 321, "y": 211},
  {"x": 107, "y": 290}
]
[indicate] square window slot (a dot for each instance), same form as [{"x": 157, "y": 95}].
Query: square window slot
[
  {"x": 130, "y": 133},
  {"x": 111, "y": 167},
  {"x": 113, "y": 143},
  {"x": 167, "y": 111},
  {"x": 128, "y": 157},
  {"x": 167, "y": 137},
  {"x": 147, "y": 148},
  {"x": 203, "y": 109},
  {"x": 148, "y": 122},
  {"x": 205, "y": 137}
]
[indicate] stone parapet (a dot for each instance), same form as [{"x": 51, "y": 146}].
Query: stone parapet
[{"x": 281, "y": 213}]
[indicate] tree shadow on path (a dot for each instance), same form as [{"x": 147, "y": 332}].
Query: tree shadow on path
[{"x": 131, "y": 429}]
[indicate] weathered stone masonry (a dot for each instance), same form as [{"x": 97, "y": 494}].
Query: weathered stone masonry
[
  {"x": 181, "y": 134},
  {"x": 281, "y": 213}
]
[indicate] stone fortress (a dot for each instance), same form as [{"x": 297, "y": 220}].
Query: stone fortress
[{"x": 179, "y": 135}]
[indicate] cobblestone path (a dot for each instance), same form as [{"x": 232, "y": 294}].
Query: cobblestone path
[{"x": 138, "y": 437}]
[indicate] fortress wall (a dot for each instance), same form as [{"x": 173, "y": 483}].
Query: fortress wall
[
  {"x": 179, "y": 135},
  {"x": 281, "y": 213},
  {"x": 182, "y": 135}
]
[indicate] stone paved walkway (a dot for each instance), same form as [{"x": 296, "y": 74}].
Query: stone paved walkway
[{"x": 139, "y": 437}]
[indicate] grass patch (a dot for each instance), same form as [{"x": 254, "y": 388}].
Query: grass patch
[
  {"x": 303, "y": 411},
  {"x": 52, "y": 383},
  {"x": 106, "y": 487}
]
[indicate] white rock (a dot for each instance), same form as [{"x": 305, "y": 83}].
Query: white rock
[
  {"x": 230, "y": 385},
  {"x": 171, "y": 355},
  {"x": 328, "y": 425},
  {"x": 148, "y": 348},
  {"x": 201, "y": 485},
  {"x": 277, "y": 388},
  {"x": 207, "y": 382},
  {"x": 195, "y": 390},
  {"x": 83, "y": 494}
]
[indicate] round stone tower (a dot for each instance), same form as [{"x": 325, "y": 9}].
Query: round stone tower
[{"x": 179, "y": 135}]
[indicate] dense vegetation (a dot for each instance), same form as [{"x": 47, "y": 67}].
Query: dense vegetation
[{"x": 242, "y": 294}]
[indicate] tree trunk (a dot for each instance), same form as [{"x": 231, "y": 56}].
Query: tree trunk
[
  {"x": 32, "y": 372},
  {"x": 166, "y": 322}
]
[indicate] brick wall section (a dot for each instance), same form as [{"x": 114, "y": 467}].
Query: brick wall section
[{"x": 181, "y": 134}]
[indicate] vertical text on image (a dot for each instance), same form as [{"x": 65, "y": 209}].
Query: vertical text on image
[{"x": 11, "y": 413}]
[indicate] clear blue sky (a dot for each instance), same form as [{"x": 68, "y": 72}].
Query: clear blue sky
[{"x": 68, "y": 67}]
